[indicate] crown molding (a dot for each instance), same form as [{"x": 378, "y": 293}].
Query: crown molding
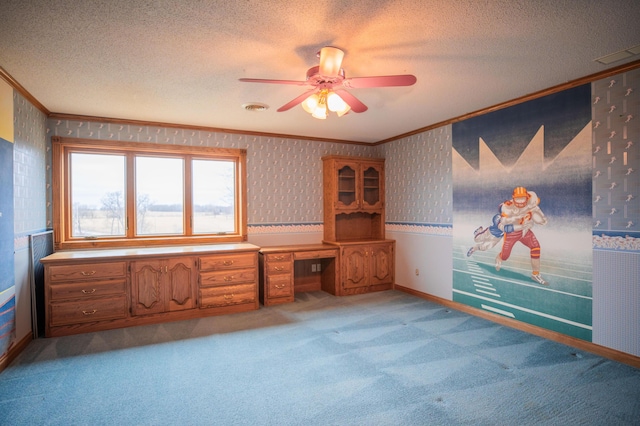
[
  {"x": 24, "y": 92},
  {"x": 123, "y": 121}
]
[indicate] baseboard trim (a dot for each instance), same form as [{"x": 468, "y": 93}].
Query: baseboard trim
[
  {"x": 594, "y": 348},
  {"x": 14, "y": 350}
]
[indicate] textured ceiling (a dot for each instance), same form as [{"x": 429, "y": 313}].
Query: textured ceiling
[{"x": 178, "y": 61}]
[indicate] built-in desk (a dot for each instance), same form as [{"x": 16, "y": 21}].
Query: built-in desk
[{"x": 286, "y": 270}]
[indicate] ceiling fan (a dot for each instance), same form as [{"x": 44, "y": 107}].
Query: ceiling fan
[{"x": 328, "y": 86}]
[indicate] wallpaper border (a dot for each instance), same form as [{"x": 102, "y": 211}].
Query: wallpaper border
[
  {"x": 616, "y": 241},
  {"x": 284, "y": 228},
  {"x": 420, "y": 228}
]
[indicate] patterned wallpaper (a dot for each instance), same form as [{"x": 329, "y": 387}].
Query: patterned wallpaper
[
  {"x": 29, "y": 169},
  {"x": 284, "y": 176},
  {"x": 419, "y": 182},
  {"x": 616, "y": 161}
]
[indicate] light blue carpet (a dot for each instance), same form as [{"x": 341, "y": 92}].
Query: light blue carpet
[{"x": 379, "y": 359}]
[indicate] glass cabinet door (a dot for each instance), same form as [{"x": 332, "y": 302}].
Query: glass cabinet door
[
  {"x": 347, "y": 191},
  {"x": 370, "y": 186}
]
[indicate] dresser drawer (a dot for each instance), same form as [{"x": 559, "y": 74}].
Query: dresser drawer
[
  {"x": 279, "y": 267},
  {"x": 228, "y": 261},
  {"x": 316, "y": 254},
  {"x": 279, "y": 257},
  {"x": 279, "y": 286},
  {"x": 87, "y": 271},
  {"x": 227, "y": 295},
  {"x": 87, "y": 289},
  {"x": 218, "y": 278},
  {"x": 81, "y": 311}
]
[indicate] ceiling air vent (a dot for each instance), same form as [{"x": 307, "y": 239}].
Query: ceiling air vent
[
  {"x": 618, "y": 56},
  {"x": 254, "y": 106}
]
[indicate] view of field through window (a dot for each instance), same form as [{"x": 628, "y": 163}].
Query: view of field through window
[{"x": 98, "y": 195}]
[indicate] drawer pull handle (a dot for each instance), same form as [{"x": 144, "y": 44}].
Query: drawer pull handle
[
  {"x": 228, "y": 296},
  {"x": 88, "y": 274},
  {"x": 228, "y": 278},
  {"x": 279, "y": 268},
  {"x": 280, "y": 286},
  {"x": 279, "y": 257},
  {"x": 89, "y": 312},
  {"x": 93, "y": 290},
  {"x": 228, "y": 262}
]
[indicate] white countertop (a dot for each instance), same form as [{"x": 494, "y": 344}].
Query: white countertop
[{"x": 149, "y": 251}]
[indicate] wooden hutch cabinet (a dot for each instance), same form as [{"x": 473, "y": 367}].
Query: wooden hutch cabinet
[{"x": 354, "y": 218}]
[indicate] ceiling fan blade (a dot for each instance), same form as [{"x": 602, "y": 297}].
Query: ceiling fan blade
[
  {"x": 330, "y": 61},
  {"x": 380, "y": 81},
  {"x": 260, "y": 80},
  {"x": 297, "y": 100},
  {"x": 352, "y": 101}
]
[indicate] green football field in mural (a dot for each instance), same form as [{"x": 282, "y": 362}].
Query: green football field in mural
[{"x": 564, "y": 305}]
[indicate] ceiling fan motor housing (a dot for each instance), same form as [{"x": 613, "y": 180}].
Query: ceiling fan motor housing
[{"x": 314, "y": 77}]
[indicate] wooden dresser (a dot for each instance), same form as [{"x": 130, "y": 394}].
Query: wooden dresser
[{"x": 95, "y": 290}]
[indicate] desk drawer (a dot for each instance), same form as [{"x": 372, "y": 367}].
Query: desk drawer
[
  {"x": 218, "y": 278},
  {"x": 87, "y": 289},
  {"x": 279, "y": 257},
  {"x": 228, "y": 261},
  {"x": 87, "y": 271},
  {"x": 227, "y": 295},
  {"x": 279, "y": 286},
  {"x": 316, "y": 254},
  {"x": 81, "y": 311},
  {"x": 279, "y": 268}
]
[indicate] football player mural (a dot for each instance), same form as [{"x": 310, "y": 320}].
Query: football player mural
[
  {"x": 514, "y": 224},
  {"x": 527, "y": 168}
]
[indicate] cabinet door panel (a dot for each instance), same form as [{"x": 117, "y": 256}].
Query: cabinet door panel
[
  {"x": 147, "y": 289},
  {"x": 354, "y": 267},
  {"x": 381, "y": 264},
  {"x": 181, "y": 284}
]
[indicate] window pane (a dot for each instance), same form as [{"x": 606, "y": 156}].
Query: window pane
[
  {"x": 159, "y": 196},
  {"x": 213, "y": 196},
  {"x": 97, "y": 195}
]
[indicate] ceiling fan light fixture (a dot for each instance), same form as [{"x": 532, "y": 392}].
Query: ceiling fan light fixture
[
  {"x": 343, "y": 111},
  {"x": 320, "y": 110},
  {"x": 310, "y": 103},
  {"x": 319, "y": 104},
  {"x": 335, "y": 102},
  {"x": 319, "y": 113}
]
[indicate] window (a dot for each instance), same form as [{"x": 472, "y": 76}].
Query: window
[{"x": 111, "y": 194}]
